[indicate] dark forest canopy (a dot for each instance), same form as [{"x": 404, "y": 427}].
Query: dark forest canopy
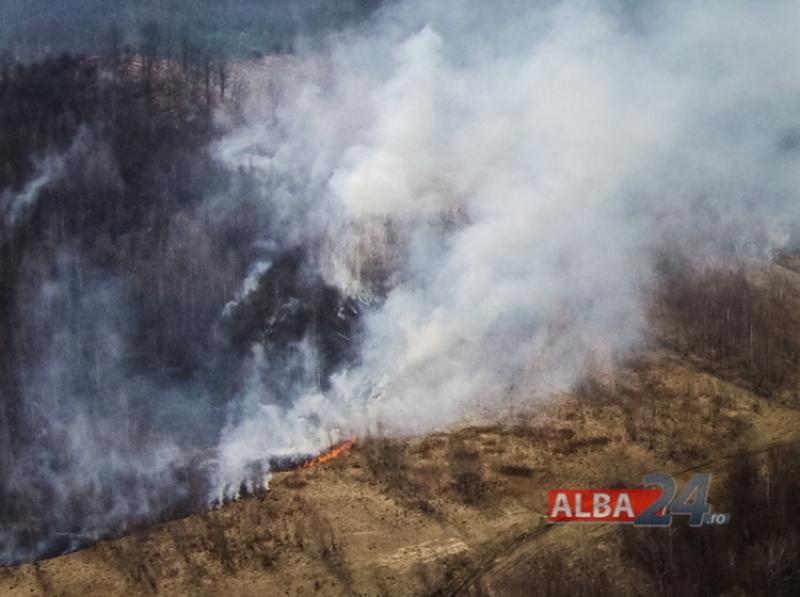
[
  {"x": 111, "y": 265},
  {"x": 34, "y": 28}
]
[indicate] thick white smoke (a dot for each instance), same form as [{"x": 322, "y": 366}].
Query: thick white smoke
[{"x": 491, "y": 179}]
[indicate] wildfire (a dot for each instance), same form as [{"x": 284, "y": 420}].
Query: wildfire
[{"x": 334, "y": 452}]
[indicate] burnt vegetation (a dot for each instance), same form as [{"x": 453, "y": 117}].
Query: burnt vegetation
[
  {"x": 113, "y": 266},
  {"x": 138, "y": 119},
  {"x": 117, "y": 141}
]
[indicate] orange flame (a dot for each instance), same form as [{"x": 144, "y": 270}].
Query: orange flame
[{"x": 334, "y": 452}]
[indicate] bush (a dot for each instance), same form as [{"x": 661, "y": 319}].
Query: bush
[{"x": 467, "y": 473}]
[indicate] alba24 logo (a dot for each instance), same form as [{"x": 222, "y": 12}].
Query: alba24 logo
[{"x": 651, "y": 506}]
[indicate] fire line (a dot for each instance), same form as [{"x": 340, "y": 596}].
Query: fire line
[{"x": 334, "y": 452}]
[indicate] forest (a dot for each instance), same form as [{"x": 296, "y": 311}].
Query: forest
[{"x": 114, "y": 276}]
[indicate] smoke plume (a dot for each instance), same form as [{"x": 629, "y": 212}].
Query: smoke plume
[
  {"x": 493, "y": 183},
  {"x": 444, "y": 213}
]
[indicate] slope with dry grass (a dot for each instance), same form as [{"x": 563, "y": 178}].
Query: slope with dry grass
[{"x": 462, "y": 512}]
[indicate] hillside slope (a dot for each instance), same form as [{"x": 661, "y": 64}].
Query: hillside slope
[
  {"x": 409, "y": 517},
  {"x": 462, "y": 512}
]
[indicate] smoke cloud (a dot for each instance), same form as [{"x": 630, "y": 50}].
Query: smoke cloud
[
  {"x": 493, "y": 183},
  {"x": 451, "y": 211}
]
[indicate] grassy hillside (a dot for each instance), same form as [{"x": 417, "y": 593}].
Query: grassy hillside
[{"x": 462, "y": 512}]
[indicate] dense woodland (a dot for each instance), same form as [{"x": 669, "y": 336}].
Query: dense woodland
[
  {"x": 128, "y": 130},
  {"x": 131, "y": 128},
  {"x": 114, "y": 272}
]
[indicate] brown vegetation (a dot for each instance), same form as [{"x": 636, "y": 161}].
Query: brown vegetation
[
  {"x": 461, "y": 513},
  {"x": 741, "y": 322}
]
